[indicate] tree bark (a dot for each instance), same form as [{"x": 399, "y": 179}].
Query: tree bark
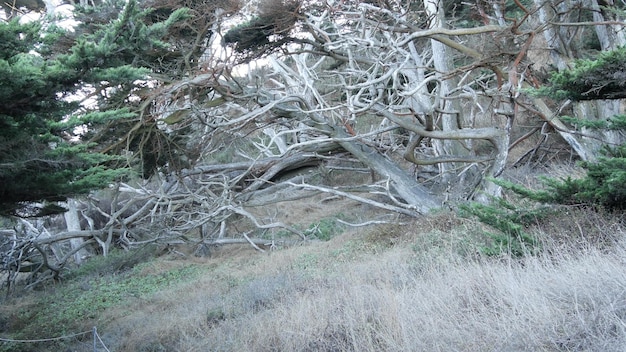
[
  {"x": 73, "y": 224},
  {"x": 451, "y": 109}
]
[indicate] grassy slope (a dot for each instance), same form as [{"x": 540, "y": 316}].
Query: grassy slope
[{"x": 421, "y": 287}]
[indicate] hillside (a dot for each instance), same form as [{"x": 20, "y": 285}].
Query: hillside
[{"x": 420, "y": 286}]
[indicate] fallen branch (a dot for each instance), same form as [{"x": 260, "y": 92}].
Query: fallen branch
[
  {"x": 371, "y": 222},
  {"x": 268, "y": 226},
  {"x": 405, "y": 211}
]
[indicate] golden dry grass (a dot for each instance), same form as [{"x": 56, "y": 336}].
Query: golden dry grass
[
  {"x": 423, "y": 286},
  {"x": 420, "y": 288}
]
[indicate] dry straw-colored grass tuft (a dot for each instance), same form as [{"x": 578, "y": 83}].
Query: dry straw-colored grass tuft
[{"x": 353, "y": 295}]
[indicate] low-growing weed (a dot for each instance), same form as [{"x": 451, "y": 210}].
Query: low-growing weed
[{"x": 325, "y": 229}]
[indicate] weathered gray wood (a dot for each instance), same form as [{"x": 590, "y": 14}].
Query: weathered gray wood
[{"x": 406, "y": 186}]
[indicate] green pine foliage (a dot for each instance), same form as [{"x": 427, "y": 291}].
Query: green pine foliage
[
  {"x": 605, "y": 181},
  {"x": 115, "y": 34},
  {"x": 603, "y": 185},
  {"x": 601, "y": 78},
  {"x": 510, "y": 221},
  {"x": 250, "y": 35},
  {"x": 51, "y": 147}
]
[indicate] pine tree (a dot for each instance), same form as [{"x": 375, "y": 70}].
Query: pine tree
[{"x": 605, "y": 181}]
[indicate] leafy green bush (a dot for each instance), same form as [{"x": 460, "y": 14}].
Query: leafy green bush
[{"x": 604, "y": 185}]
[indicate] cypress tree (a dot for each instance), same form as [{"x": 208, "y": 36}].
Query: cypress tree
[{"x": 51, "y": 146}]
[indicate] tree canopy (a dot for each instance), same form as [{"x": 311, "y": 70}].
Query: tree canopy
[{"x": 62, "y": 96}]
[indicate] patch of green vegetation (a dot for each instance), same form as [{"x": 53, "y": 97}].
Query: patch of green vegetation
[
  {"x": 81, "y": 301},
  {"x": 307, "y": 261},
  {"x": 215, "y": 316},
  {"x": 326, "y": 228},
  {"x": 115, "y": 262},
  {"x": 589, "y": 79},
  {"x": 510, "y": 221},
  {"x": 604, "y": 184}
]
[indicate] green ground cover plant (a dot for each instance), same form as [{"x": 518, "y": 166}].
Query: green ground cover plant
[{"x": 92, "y": 289}]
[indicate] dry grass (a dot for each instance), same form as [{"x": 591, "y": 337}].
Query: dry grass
[
  {"x": 421, "y": 289},
  {"x": 418, "y": 287}
]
